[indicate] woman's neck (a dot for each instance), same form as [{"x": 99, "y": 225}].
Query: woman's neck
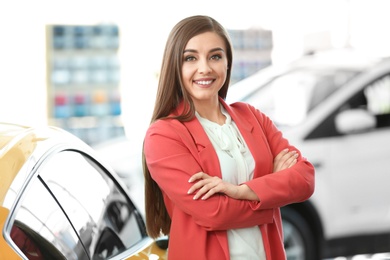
[{"x": 211, "y": 112}]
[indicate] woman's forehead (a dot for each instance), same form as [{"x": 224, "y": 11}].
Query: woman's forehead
[{"x": 207, "y": 40}]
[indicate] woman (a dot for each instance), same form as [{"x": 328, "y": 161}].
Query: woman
[{"x": 216, "y": 175}]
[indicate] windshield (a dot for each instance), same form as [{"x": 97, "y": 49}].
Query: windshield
[{"x": 288, "y": 98}]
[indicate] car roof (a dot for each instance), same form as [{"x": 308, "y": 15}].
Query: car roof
[
  {"x": 339, "y": 58},
  {"x": 20, "y": 144},
  {"x": 336, "y": 59}
]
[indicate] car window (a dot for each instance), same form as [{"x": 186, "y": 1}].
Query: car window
[
  {"x": 378, "y": 100},
  {"x": 289, "y": 98},
  {"x": 374, "y": 98},
  {"x": 41, "y": 229},
  {"x": 78, "y": 211}
]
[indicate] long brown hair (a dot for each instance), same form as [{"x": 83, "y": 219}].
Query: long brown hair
[{"x": 170, "y": 93}]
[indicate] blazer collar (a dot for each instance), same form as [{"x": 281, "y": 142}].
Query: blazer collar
[
  {"x": 199, "y": 135},
  {"x": 240, "y": 120}
]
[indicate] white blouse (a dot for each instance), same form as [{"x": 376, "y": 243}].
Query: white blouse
[{"x": 237, "y": 166}]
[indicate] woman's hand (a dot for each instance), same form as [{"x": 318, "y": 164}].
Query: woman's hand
[
  {"x": 285, "y": 159},
  {"x": 206, "y": 186}
]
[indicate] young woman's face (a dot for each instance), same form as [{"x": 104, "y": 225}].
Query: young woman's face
[{"x": 205, "y": 67}]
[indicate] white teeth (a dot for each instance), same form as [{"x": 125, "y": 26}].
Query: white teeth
[{"x": 204, "y": 82}]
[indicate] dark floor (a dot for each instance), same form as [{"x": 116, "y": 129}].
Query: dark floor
[{"x": 378, "y": 256}]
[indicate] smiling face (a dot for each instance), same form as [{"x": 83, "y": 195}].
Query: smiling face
[{"x": 204, "y": 67}]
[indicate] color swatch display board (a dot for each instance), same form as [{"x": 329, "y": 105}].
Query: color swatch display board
[
  {"x": 83, "y": 74},
  {"x": 252, "y": 52}
]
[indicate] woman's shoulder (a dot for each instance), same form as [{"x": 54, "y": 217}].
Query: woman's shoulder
[
  {"x": 248, "y": 111},
  {"x": 166, "y": 127},
  {"x": 162, "y": 124},
  {"x": 242, "y": 107}
]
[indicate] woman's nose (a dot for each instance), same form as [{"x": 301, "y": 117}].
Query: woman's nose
[{"x": 204, "y": 67}]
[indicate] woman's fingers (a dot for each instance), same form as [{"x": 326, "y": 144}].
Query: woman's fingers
[
  {"x": 281, "y": 154},
  {"x": 205, "y": 187},
  {"x": 285, "y": 159},
  {"x": 206, "y": 191},
  {"x": 197, "y": 176},
  {"x": 292, "y": 160},
  {"x": 199, "y": 179}
]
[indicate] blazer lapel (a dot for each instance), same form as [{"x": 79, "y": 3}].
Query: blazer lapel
[
  {"x": 207, "y": 157},
  {"x": 242, "y": 123}
]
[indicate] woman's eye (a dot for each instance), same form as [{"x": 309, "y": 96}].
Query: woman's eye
[
  {"x": 216, "y": 57},
  {"x": 189, "y": 58}
]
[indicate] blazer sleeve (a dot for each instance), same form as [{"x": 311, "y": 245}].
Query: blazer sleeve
[
  {"x": 172, "y": 157},
  {"x": 292, "y": 185}
]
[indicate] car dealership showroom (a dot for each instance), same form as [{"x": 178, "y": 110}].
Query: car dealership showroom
[{"x": 78, "y": 86}]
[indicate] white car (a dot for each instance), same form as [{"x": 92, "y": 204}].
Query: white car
[{"x": 335, "y": 108}]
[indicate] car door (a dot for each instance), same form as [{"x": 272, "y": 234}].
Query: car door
[{"x": 353, "y": 168}]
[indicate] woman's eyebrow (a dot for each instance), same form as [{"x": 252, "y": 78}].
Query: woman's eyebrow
[
  {"x": 212, "y": 50},
  {"x": 190, "y": 50},
  {"x": 217, "y": 49}
]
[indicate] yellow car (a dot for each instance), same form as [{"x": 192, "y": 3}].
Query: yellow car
[{"x": 59, "y": 201}]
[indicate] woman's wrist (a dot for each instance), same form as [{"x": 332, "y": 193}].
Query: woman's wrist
[{"x": 246, "y": 193}]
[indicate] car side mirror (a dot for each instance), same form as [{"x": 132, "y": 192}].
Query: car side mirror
[{"x": 354, "y": 121}]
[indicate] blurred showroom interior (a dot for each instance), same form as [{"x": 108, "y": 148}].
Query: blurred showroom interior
[{"x": 103, "y": 57}]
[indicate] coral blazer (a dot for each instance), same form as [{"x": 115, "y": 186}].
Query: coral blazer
[{"x": 176, "y": 150}]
